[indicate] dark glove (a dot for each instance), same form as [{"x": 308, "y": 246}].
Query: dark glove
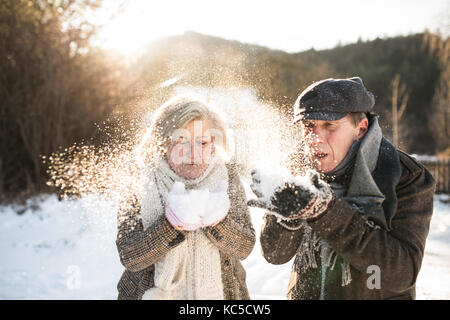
[{"x": 300, "y": 197}]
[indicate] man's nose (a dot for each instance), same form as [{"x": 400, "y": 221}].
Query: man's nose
[{"x": 316, "y": 135}]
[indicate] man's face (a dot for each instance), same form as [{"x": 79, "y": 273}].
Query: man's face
[{"x": 329, "y": 141}]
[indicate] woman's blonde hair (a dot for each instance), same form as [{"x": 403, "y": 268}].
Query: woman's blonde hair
[{"x": 175, "y": 114}]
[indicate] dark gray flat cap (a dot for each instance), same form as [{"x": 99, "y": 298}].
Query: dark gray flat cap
[{"x": 332, "y": 99}]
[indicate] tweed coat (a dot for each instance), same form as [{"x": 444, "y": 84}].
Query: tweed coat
[{"x": 139, "y": 249}]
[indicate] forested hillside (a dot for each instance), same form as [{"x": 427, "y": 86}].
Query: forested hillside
[{"x": 56, "y": 89}]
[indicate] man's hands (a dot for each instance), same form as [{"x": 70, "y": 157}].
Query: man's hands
[
  {"x": 291, "y": 197},
  {"x": 196, "y": 208}
]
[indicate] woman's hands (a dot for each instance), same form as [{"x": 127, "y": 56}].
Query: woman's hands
[
  {"x": 217, "y": 206},
  {"x": 180, "y": 209},
  {"x": 193, "y": 209}
]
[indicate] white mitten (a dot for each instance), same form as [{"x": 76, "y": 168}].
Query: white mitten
[
  {"x": 182, "y": 209},
  {"x": 217, "y": 206}
]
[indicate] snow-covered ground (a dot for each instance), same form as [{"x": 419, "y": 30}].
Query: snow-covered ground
[
  {"x": 66, "y": 250},
  {"x": 434, "y": 278}
]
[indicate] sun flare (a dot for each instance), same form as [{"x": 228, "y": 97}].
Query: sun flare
[{"x": 136, "y": 25}]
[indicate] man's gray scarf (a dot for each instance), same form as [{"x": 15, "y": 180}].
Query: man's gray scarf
[
  {"x": 362, "y": 192},
  {"x": 372, "y": 164}
]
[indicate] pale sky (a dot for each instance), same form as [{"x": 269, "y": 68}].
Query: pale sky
[{"x": 287, "y": 25}]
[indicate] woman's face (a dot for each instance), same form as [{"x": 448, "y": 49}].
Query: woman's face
[{"x": 192, "y": 149}]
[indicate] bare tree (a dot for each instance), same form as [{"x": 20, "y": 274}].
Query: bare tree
[
  {"x": 53, "y": 86},
  {"x": 440, "y": 108},
  {"x": 399, "y": 99}
]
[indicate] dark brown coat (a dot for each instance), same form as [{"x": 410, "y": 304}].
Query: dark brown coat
[
  {"x": 139, "y": 249},
  {"x": 398, "y": 252}
]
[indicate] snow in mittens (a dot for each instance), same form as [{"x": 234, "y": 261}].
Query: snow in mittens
[
  {"x": 275, "y": 177},
  {"x": 217, "y": 206},
  {"x": 197, "y": 208},
  {"x": 188, "y": 207}
]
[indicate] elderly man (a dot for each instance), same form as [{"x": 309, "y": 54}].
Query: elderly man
[{"x": 358, "y": 223}]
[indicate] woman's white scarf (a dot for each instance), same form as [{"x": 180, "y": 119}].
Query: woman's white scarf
[{"x": 191, "y": 270}]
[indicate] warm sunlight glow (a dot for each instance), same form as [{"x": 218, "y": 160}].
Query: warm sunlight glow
[
  {"x": 291, "y": 26},
  {"x": 139, "y": 23}
]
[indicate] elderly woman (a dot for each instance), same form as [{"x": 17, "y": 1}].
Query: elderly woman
[{"x": 183, "y": 235}]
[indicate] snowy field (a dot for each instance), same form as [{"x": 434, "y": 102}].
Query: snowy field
[{"x": 66, "y": 250}]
